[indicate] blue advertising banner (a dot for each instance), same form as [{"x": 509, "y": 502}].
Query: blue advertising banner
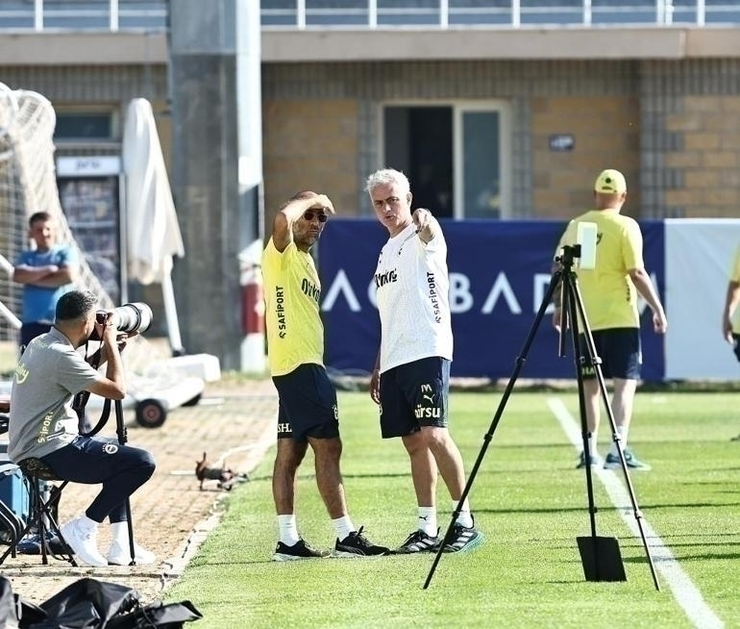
[{"x": 499, "y": 276}]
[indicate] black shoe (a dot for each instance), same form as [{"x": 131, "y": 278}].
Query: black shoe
[
  {"x": 357, "y": 545},
  {"x": 419, "y": 542},
  {"x": 463, "y": 539},
  {"x": 299, "y": 550},
  {"x": 31, "y": 545}
]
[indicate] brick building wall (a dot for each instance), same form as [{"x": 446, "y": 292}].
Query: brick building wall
[
  {"x": 690, "y": 141},
  {"x": 596, "y": 101},
  {"x": 311, "y": 145},
  {"x": 606, "y": 133},
  {"x": 672, "y": 126},
  {"x": 708, "y": 163}
]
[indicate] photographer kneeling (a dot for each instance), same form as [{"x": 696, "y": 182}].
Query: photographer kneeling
[{"x": 43, "y": 424}]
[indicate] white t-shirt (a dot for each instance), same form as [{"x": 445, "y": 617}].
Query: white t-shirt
[{"x": 412, "y": 287}]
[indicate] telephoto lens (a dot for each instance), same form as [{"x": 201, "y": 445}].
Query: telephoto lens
[
  {"x": 130, "y": 318},
  {"x": 134, "y": 317}
]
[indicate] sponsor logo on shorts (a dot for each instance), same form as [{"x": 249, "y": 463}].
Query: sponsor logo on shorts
[
  {"x": 427, "y": 393},
  {"x": 427, "y": 408},
  {"x": 422, "y": 412},
  {"x": 283, "y": 428},
  {"x": 110, "y": 448}
]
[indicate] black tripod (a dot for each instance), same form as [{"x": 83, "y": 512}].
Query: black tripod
[{"x": 600, "y": 556}]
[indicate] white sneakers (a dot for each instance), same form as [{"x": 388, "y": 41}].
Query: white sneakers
[
  {"x": 120, "y": 555},
  {"x": 81, "y": 536}
]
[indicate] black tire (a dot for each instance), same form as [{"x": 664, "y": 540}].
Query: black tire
[
  {"x": 193, "y": 401},
  {"x": 150, "y": 413}
]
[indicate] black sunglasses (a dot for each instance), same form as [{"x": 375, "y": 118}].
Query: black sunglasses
[{"x": 309, "y": 214}]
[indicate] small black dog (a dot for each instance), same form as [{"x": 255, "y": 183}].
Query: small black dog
[{"x": 226, "y": 477}]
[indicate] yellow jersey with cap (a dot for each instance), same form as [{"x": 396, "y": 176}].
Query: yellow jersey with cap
[
  {"x": 609, "y": 295},
  {"x": 735, "y": 277},
  {"x": 295, "y": 333}
]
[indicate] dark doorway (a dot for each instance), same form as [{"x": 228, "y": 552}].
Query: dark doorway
[{"x": 418, "y": 141}]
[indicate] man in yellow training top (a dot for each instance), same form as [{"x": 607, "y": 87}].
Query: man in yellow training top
[
  {"x": 609, "y": 293},
  {"x": 307, "y": 411},
  {"x": 730, "y": 323}
]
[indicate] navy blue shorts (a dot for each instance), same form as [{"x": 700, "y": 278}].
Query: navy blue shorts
[
  {"x": 414, "y": 395},
  {"x": 736, "y": 345},
  {"x": 619, "y": 350},
  {"x": 307, "y": 404}
]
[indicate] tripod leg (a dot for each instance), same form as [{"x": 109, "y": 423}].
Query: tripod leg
[
  {"x": 580, "y": 310},
  {"x": 519, "y": 363},
  {"x": 121, "y": 432},
  {"x": 581, "y": 361},
  {"x": 131, "y": 544},
  {"x": 600, "y": 556}
]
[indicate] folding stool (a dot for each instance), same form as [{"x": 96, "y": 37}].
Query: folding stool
[{"x": 44, "y": 498}]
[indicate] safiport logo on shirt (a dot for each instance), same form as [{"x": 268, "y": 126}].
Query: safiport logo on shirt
[
  {"x": 45, "y": 428},
  {"x": 280, "y": 310},
  {"x": 433, "y": 296}
]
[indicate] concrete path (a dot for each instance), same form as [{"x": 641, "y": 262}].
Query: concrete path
[{"x": 171, "y": 514}]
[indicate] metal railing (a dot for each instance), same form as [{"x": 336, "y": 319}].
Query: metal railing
[
  {"x": 305, "y": 14},
  {"x": 83, "y": 15},
  {"x": 152, "y": 15}
]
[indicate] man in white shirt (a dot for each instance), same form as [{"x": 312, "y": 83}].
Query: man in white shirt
[{"x": 411, "y": 378}]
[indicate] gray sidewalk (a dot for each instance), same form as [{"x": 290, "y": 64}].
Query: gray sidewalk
[{"x": 171, "y": 515}]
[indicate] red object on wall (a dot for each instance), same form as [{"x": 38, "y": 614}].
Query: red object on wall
[{"x": 253, "y": 307}]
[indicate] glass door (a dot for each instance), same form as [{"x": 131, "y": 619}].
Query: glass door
[{"x": 482, "y": 182}]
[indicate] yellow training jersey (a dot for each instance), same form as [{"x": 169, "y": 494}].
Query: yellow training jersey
[
  {"x": 609, "y": 295},
  {"x": 735, "y": 277},
  {"x": 295, "y": 334}
]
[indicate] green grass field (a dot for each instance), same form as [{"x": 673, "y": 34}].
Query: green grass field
[{"x": 531, "y": 504}]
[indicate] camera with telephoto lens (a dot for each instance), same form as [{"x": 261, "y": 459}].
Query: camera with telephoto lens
[{"x": 134, "y": 317}]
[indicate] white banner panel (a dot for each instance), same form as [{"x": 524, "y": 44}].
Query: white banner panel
[{"x": 698, "y": 259}]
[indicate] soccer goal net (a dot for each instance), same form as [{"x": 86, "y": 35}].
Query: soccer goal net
[{"x": 28, "y": 184}]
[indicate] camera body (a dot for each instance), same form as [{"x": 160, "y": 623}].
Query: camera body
[{"x": 130, "y": 318}]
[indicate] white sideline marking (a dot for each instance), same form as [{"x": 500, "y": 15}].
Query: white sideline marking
[{"x": 685, "y": 592}]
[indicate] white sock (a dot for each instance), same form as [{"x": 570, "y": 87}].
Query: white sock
[
  {"x": 465, "y": 518},
  {"x": 119, "y": 532},
  {"x": 287, "y": 529},
  {"x": 343, "y": 526},
  {"x": 593, "y": 439},
  {"x": 428, "y": 520}
]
